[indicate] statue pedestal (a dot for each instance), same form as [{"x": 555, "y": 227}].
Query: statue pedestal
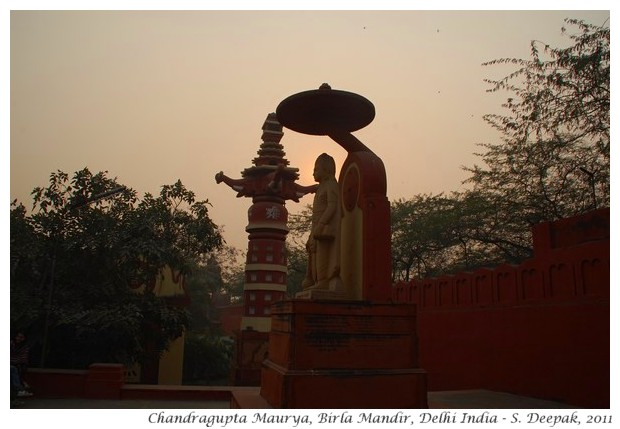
[
  {"x": 343, "y": 354},
  {"x": 320, "y": 294}
]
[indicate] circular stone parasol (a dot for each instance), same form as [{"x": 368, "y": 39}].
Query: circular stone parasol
[{"x": 324, "y": 111}]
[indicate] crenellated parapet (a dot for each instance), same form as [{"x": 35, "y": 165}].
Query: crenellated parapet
[
  {"x": 540, "y": 328},
  {"x": 571, "y": 262}
]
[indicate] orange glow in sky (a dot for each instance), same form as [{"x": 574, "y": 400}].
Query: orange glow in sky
[{"x": 153, "y": 97}]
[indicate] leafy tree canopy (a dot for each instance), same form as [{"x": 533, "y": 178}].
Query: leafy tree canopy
[
  {"x": 77, "y": 257},
  {"x": 299, "y": 225},
  {"x": 554, "y": 156},
  {"x": 216, "y": 280},
  {"x": 552, "y": 160}
]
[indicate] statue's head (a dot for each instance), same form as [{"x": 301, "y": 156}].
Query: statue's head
[{"x": 324, "y": 167}]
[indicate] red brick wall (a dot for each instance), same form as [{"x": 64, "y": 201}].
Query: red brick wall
[
  {"x": 57, "y": 383},
  {"x": 100, "y": 381},
  {"x": 540, "y": 328}
]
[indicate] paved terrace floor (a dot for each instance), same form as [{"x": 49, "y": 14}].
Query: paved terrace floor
[{"x": 461, "y": 399}]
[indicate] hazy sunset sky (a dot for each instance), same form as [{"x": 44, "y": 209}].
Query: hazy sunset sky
[{"x": 156, "y": 96}]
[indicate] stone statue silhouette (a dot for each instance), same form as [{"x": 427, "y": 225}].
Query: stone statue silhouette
[{"x": 323, "y": 246}]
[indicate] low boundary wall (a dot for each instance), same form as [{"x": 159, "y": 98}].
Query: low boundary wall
[
  {"x": 106, "y": 381},
  {"x": 541, "y": 328}
]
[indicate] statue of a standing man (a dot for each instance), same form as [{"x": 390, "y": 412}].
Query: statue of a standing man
[{"x": 323, "y": 244}]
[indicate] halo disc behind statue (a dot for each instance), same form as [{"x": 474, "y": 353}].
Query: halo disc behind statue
[{"x": 324, "y": 111}]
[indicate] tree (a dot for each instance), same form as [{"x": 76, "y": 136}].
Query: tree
[
  {"x": 27, "y": 273},
  {"x": 437, "y": 234},
  {"x": 217, "y": 279},
  {"x": 299, "y": 225},
  {"x": 232, "y": 270},
  {"x": 421, "y": 232},
  {"x": 76, "y": 258},
  {"x": 565, "y": 94},
  {"x": 553, "y": 160},
  {"x": 207, "y": 360}
]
